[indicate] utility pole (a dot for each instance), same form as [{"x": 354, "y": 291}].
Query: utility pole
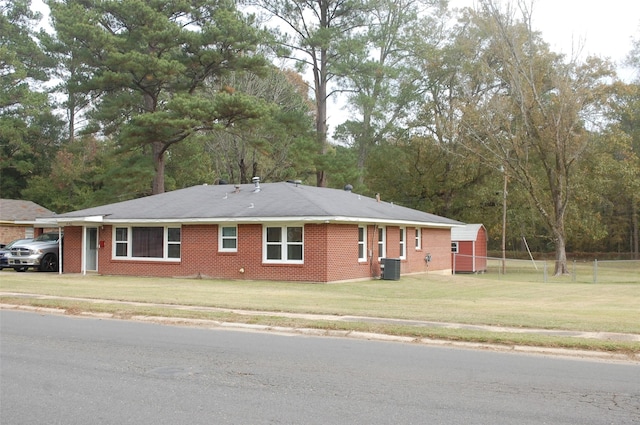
[{"x": 504, "y": 222}]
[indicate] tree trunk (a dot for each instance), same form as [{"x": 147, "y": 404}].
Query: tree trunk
[
  {"x": 561, "y": 253},
  {"x": 158, "y": 164},
  {"x": 242, "y": 167},
  {"x": 321, "y": 120}
]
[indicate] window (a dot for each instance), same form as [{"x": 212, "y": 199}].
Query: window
[
  {"x": 454, "y": 247},
  {"x": 381, "y": 242},
  {"x": 228, "y": 239},
  {"x": 362, "y": 244},
  {"x": 147, "y": 242},
  {"x": 283, "y": 244},
  {"x": 418, "y": 238},
  {"x": 173, "y": 242},
  {"x": 122, "y": 242},
  {"x": 403, "y": 244}
]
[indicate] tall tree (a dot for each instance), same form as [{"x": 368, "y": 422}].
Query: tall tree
[
  {"x": 531, "y": 110},
  {"x": 70, "y": 72},
  {"x": 625, "y": 129},
  {"x": 383, "y": 79},
  {"x": 28, "y": 129},
  {"x": 276, "y": 147},
  {"x": 148, "y": 60},
  {"x": 318, "y": 35}
]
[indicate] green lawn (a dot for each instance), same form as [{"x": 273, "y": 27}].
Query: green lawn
[{"x": 470, "y": 299}]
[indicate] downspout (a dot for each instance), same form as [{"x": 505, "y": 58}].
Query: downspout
[
  {"x": 83, "y": 252},
  {"x": 374, "y": 238},
  {"x": 60, "y": 250}
]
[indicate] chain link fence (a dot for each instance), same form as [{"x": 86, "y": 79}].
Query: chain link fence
[{"x": 580, "y": 271}]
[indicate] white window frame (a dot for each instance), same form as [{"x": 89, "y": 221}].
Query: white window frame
[
  {"x": 454, "y": 247},
  {"x": 382, "y": 244},
  {"x": 418, "y": 238},
  {"x": 128, "y": 242},
  {"x": 362, "y": 243},
  {"x": 284, "y": 244},
  {"x": 168, "y": 243},
  {"x": 403, "y": 242},
  {"x": 222, "y": 238}
]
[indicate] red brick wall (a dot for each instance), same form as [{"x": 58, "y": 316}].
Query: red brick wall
[
  {"x": 437, "y": 242},
  {"x": 72, "y": 250},
  {"x": 342, "y": 253},
  {"x": 414, "y": 262},
  {"x": 10, "y": 233},
  {"x": 330, "y": 254}
]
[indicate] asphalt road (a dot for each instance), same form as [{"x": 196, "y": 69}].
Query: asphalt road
[{"x": 68, "y": 370}]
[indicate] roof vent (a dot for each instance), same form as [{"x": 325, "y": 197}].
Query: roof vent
[
  {"x": 348, "y": 187},
  {"x": 256, "y": 182}
]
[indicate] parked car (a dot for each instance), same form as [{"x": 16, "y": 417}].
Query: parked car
[
  {"x": 41, "y": 253},
  {"x": 5, "y": 252}
]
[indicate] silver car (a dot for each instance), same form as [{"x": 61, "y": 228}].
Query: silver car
[
  {"x": 5, "y": 252},
  {"x": 40, "y": 253}
]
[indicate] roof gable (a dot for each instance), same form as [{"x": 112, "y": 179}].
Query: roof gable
[
  {"x": 252, "y": 203},
  {"x": 468, "y": 232},
  {"x": 21, "y": 211}
]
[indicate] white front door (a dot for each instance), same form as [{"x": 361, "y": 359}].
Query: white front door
[{"x": 91, "y": 249}]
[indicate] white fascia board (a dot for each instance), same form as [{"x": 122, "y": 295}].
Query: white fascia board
[
  {"x": 35, "y": 222},
  {"x": 294, "y": 219},
  {"x": 72, "y": 221},
  {"x": 388, "y": 222},
  {"x": 94, "y": 219},
  {"x": 49, "y": 221}
]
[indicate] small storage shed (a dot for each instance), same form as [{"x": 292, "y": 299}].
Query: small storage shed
[{"x": 469, "y": 249}]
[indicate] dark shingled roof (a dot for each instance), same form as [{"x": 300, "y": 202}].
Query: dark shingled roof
[
  {"x": 14, "y": 210},
  {"x": 243, "y": 203}
]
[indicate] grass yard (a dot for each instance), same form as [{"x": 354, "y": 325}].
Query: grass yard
[{"x": 470, "y": 299}]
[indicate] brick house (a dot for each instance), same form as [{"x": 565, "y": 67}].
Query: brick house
[
  {"x": 275, "y": 231},
  {"x": 18, "y": 220}
]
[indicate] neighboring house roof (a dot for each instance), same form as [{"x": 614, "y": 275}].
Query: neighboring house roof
[
  {"x": 21, "y": 212},
  {"x": 264, "y": 202},
  {"x": 466, "y": 233}
]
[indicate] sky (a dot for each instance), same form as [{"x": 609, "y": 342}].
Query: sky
[{"x": 604, "y": 28}]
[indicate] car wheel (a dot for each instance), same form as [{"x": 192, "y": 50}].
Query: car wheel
[{"x": 49, "y": 263}]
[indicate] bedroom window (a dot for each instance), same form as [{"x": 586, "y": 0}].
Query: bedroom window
[
  {"x": 283, "y": 244},
  {"x": 381, "y": 243},
  {"x": 362, "y": 244},
  {"x": 162, "y": 243},
  {"x": 418, "y": 238},
  {"x": 228, "y": 239},
  {"x": 403, "y": 243}
]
